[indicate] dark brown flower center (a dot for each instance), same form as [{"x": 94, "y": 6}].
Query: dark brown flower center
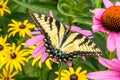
[
  {"x": 13, "y": 55},
  {"x": 22, "y": 26},
  {"x": 1, "y": 47},
  {"x": 111, "y": 18},
  {"x": 73, "y": 77},
  {"x": 1, "y": 6}
]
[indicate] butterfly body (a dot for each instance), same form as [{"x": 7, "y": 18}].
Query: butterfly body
[{"x": 60, "y": 41}]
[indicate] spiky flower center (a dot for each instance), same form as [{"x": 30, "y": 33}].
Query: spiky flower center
[
  {"x": 111, "y": 18},
  {"x": 13, "y": 55},
  {"x": 22, "y": 26},
  {"x": 73, "y": 77},
  {"x": 1, "y": 47}
]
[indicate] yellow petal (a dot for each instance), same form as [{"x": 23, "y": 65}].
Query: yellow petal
[
  {"x": 71, "y": 70},
  {"x": 25, "y": 22},
  {"x": 14, "y": 73},
  {"x": 35, "y": 60},
  {"x": 11, "y": 29},
  {"x": 78, "y": 70},
  {"x": 47, "y": 62},
  {"x": 40, "y": 64}
]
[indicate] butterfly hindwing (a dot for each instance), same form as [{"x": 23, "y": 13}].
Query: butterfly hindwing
[{"x": 64, "y": 42}]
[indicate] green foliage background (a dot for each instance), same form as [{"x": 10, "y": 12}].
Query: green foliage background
[{"x": 70, "y": 12}]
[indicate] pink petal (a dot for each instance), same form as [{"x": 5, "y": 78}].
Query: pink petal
[
  {"x": 117, "y": 4},
  {"x": 51, "y": 14},
  {"x": 75, "y": 28},
  {"x": 34, "y": 40},
  {"x": 96, "y": 21},
  {"x": 118, "y": 45},
  {"x": 98, "y": 13},
  {"x": 69, "y": 63},
  {"x": 118, "y": 52},
  {"x": 79, "y": 30},
  {"x": 37, "y": 49},
  {"x": 44, "y": 57},
  {"x": 86, "y": 32},
  {"x": 83, "y": 58},
  {"x": 41, "y": 51},
  {"x": 112, "y": 64},
  {"x": 104, "y": 75},
  {"x": 54, "y": 59},
  {"x": 35, "y": 32},
  {"x": 111, "y": 44},
  {"x": 96, "y": 28},
  {"x": 107, "y": 3}
]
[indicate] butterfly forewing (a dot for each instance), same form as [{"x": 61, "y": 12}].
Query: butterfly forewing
[{"x": 62, "y": 38}]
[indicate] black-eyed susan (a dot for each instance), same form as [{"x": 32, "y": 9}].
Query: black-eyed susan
[
  {"x": 4, "y": 46},
  {"x": 73, "y": 75},
  {"x": 20, "y": 27},
  {"x": 3, "y": 7},
  {"x": 37, "y": 59},
  {"x": 7, "y": 75},
  {"x": 15, "y": 58}
]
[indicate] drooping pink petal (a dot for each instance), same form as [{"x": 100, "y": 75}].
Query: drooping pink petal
[
  {"x": 111, "y": 43},
  {"x": 35, "y": 32},
  {"x": 37, "y": 49},
  {"x": 69, "y": 63},
  {"x": 118, "y": 45},
  {"x": 98, "y": 13},
  {"x": 54, "y": 59},
  {"x": 107, "y": 3},
  {"x": 75, "y": 28},
  {"x": 51, "y": 14},
  {"x": 96, "y": 28},
  {"x": 83, "y": 58},
  {"x": 86, "y": 32},
  {"x": 118, "y": 52},
  {"x": 112, "y": 64},
  {"x": 79, "y": 30},
  {"x": 41, "y": 51},
  {"x": 44, "y": 57},
  {"x": 104, "y": 75},
  {"x": 117, "y": 4},
  {"x": 34, "y": 40},
  {"x": 96, "y": 21}
]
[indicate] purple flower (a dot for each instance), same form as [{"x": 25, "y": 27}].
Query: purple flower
[
  {"x": 107, "y": 20},
  {"x": 113, "y": 72}
]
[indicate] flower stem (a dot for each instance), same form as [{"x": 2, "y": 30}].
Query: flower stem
[
  {"x": 59, "y": 72},
  {"x": 111, "y": 55}
]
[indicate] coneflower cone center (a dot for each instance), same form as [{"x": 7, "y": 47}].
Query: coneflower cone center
[{"x": 111, "y": 18}]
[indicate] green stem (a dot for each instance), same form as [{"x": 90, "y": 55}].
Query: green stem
[
  {"x": 98, "y": 3},
  {"x": 111, "y": 55},
  {"x": 59, "y": 72}
]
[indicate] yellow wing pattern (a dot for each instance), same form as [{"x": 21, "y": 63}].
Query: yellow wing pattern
[{"x": 63, "y": 42}]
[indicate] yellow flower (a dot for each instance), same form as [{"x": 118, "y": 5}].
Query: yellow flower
[
  {"x": 37, "y": 59},
  {"x": 21, "y": 27},
  {"x": 15, "y": 58},
  {"x": 3, "y": 7},
  {"x": 73, "y": 75},
  {"x": 4, "y": 47},
  {"x": 7, "y": 75}
]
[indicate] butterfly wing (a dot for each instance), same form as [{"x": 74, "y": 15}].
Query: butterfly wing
[{"x": 64, "y": 41}]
